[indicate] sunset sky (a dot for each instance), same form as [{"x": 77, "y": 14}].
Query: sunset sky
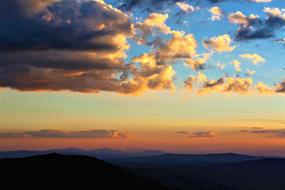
[{"x": 186, "y": 76}]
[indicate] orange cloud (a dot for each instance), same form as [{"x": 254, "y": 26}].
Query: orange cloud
[{"x": 219, "y": 43}]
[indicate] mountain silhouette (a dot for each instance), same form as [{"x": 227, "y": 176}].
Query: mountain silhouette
[
  {"x": 54, "y": 171},
  {"x": 184, "y": 159},
  {"x": 100, "y": 153}
]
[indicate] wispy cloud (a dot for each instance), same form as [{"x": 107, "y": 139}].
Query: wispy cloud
[
  {"x": 204, "y": 134},
  {"x": 198, "y": 134},
  {"x": 52, "y": 133},
  {"x": 280, "y": 133}
]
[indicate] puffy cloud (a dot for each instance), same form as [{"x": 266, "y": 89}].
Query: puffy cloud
[
  {"x": 154, "y": 21},
  {"x": 198, "y": 61},
  {"x": 228, "y": 84},
  {"x": 255, "y": 58},
  {"x": 219, "y": 43},
  {"x": 205, "y": 134},
  {"x": 186, "y": 7},
  {"x": 188, "y": 83},
  {"x": 52, "y": 133},
  {"x": 239, "y": 18},
  {"x": 236, "y": 65},
  {"x": 253, "y": 27},
  {"x": 179, "y": 46},
  {"x": 152, "y": 75},
  {"x": 279, "y": 133},
  {"x": 217, "y": 13},
  {"x": 250, "y": 72},
  {"x": 263, "y": 88},
  {"x": 239, "y": 85},
  {"x": 275, "y": 12}
]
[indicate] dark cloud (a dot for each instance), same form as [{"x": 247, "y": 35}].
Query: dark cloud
[
  {"x": 64, "y": 45},
  {"x": 59, "y": 60},
  {"x": 207, "y": 134},
  {"x": 157, "y": 5},
  {"x": 149, "y": 5},
  {"x": 62, "y": 25},
  {"x": 254, "y": 27},
  {"x": 51, "y": 133},
  {"x": 29, "y": 78},
  {"x": 280, "y": 133},
  {"x": 214, "y": 83}
]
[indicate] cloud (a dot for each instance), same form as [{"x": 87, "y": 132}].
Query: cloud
[
  {"x": 184, "y": 10},
  {"x": 255, "y": 58},
  {"x": 281, "y": 40},
  {"x": 52, "y": 133},
  {"x": 179, "y": 46},
  {"x": 198, "y": 61},
  {"x": 250, "y": 72},
  {"x": 280, "y": 87},
  {"x": 263, "y": 88},
  {"x": 154, "y": 21},
  {"x": 197, "y": 134},
  {"x": 253, "y": 27},
  {"x": 182, "y": 132},
  {"x": 78, "y": 26},
  {"x": 65, "y": 45},
  {"x": 149, "y": 5},
  {"x": 217, "y": 13},
  {"x": 155, "y": 5},
  {"x": 220, "y": 43},
  {"x": 227, "y": 84},
  {"x": 279, "y": 133},
  {"x": 206, "y": 134},
  {"x": 261, "y": 1},
  {"x": 186, "y": 7},
  {"x": 236, "y": 65},
  {"x": 151, "y": 74},
  {"x": 188, "y": 83}
]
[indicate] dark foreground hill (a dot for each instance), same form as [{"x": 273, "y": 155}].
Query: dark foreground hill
[
  {"x": 264, "y": 174},
  {"x": 54, "y": 171}
]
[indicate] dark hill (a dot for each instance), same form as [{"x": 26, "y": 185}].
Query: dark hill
[
  {"x": 54, "y": 171},
  {"x": 264, "y": 174}
]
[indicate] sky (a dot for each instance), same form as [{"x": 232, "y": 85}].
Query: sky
[{"x": 181, "y": 76}]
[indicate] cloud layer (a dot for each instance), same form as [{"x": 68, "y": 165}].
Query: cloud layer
[
  {"x": 51, "y": 133},
  {"x": 83, "y": 46},
  {"x": 279, "y": 133}
]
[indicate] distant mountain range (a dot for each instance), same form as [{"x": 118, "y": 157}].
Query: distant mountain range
[
  {"x": 167, "y": 159},
  {"x": 129, "y": 158},
  {"x": 102, "y": 153}
]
